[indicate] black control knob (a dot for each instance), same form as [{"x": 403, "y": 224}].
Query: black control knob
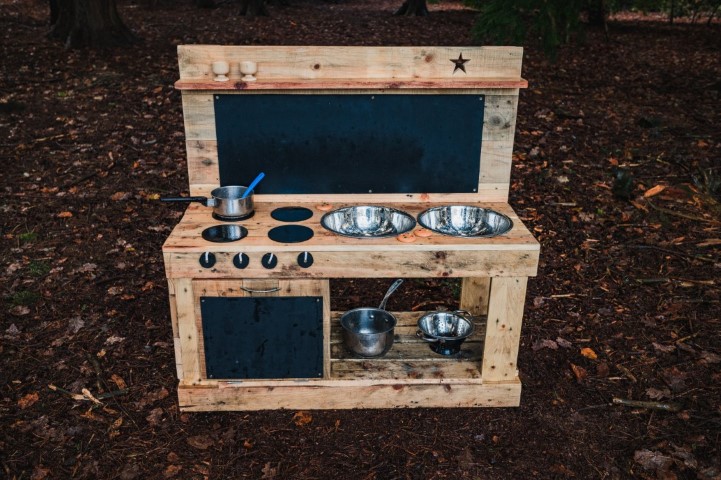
[
  {"x": 207, "y": 260},
  {"x": 269, "y": 260},
  {"x": 241, "y": 260},
  {"x": 305, "y": 259}
]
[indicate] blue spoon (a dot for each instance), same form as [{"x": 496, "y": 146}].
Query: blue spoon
[{"x": 252, "y": 185}]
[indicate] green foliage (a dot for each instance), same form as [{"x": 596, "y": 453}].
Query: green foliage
[
  {"x": 24, "y": 297},
  {"x": 514, "y": 22}
]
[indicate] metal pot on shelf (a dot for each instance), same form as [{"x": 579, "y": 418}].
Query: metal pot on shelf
[{"x": 367, "y": 331}]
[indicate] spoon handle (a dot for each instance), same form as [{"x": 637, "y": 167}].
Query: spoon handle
[{"x": 252, "y": 185}]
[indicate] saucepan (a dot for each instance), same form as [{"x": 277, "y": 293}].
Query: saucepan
[
  {"x": 368, "y": 332},
  {"x": 229, "y": 203}
]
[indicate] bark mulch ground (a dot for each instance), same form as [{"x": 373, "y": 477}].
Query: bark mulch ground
[{"x": 617, "y": 172}]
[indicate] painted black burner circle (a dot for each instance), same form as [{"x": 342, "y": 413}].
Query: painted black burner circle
[
  {"x": 224, "y": 233},
  {"x": 223, "y": 218},
  {"x": 291, "y": 214},
  {"x": 290, "y": 234}
]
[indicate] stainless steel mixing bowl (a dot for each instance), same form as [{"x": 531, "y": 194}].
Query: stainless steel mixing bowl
[
  {"x": 465, "y": 221},
  {"x": 367, "y": 221}
]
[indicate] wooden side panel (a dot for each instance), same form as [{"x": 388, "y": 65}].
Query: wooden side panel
[
  {"x": 176, "y": 335},
  {"x": 323, "y": 62},
  {"x": 503, "y": 329},
  {"x": 187, "y": 329},
  {"x": 338, "y": 394},
  {"x": 474, "y": 294}
]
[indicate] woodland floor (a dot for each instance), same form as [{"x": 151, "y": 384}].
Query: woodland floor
[{"x": 626, "y": 303}]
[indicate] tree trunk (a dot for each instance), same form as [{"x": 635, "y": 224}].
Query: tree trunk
[
  {"x": 253, "y": 8},
  {"x": 413, "y": 8},
  {"x": 597, "y": 13},
  {"x": 90, "y": 23}
]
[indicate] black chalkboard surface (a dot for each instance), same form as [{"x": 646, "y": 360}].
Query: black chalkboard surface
[
  {"x": 350, "y": 143},
  {"x": 264, "y": 337}
]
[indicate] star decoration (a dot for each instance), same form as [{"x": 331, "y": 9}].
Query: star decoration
[{"x": 460, "y": 63}]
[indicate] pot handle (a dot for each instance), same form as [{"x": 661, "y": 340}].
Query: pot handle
[
  {"x": 202, "y": 200},
  {"x": 250, "y": 290},
  {"x": 466, "y": 314},
  {"x": 422, "y": 336}
]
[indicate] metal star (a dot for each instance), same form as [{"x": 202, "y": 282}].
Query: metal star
[{"x": 460, "y": 63}]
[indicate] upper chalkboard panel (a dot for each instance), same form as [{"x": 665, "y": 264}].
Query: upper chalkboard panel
[{"x": 345, "y": 144}]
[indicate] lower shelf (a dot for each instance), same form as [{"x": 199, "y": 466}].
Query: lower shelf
[
  {"x": 409, "y": 358},
  {"x": 342, "y": 394},
  {"x": 409, "y": 375}
]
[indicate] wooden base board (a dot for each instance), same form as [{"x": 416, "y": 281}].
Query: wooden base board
[{"x": 329, "y": 394}]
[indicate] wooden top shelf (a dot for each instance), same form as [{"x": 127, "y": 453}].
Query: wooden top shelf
[{"x": 352, "y": 84}]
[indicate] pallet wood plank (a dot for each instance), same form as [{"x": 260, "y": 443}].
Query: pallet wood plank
[
  {"x": 335, "y": 395},
  {"x": 474, "y": 295},
  {"x": 503, "y": 329},
  {"x": 336, "y": 62},
  {"x": 187, "y": 329}
]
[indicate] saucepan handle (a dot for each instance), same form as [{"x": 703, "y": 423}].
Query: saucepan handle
[
  {"x": 202, "y": 200},
  {"x": 251, "y": 290}
]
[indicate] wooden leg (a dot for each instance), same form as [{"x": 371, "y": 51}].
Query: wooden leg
[
  {"x": 503, "y": 329},
  {"x": 187, "y": 329},
  {"x": 474, "y": 295}
]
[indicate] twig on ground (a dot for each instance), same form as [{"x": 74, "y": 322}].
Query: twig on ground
[
  {"x": 672, "y": 252},
  {"x": 627, "y": 373},
  {"x": 667, "y": 407},
  {"x": 681, "y": 215}
]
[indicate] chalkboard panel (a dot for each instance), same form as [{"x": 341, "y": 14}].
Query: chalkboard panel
[
  {"x": 350, "y": 143},
  {"x": 264, "y": 337}
]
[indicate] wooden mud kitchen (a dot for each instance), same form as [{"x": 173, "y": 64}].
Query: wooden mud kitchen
[{"x": 379, "y": 162}]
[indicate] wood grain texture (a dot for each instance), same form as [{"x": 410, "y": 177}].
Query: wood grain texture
[
  {"x": 503, "y": 330},
  {"x": 474, "y": 295},
  {"x": 357, "y": 63},
  {"x": 187, "y": 329},
  {"x": 327, "y": 394}
]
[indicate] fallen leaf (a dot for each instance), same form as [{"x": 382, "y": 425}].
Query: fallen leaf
[
  {"x": 654, "y": 191},
  {"x": 75, "y": 324},
  {"x": 64, "y": 214},
  {"x": 113, "y": 339},
  {"x": 580, "y": 372},
  {"x": 201, "y": 442},
  {"x": 115, "y": 290},
  {"x": 154, "y": 416},
  {"x": 544, "y": 344},
  {"x": 656, "y": 394},
  {"x": 675, "y": 378},
  {"x": 172, "y": 470},
  {"x": 118, "y": 381},
  {"x": 602, "y": 370},
  {"x": 28, "y": 400},
  {"x": 118, "y": 196},
  {"x": 40, "y": 473},
  {"x": 302, "y": 418},
  {"x": 708, "y": 358},
  {"x": 653, "y": 461},
  {"x": 154, "y": 397},
  {"x": 664, "y": 348},
  {"x": 268, "y": 472},
  {"x": 247, "y": 444},
  {"x": 562, "y": 342},
  {"x": 20, "y": 310},
  {"x": 589, "y": 353},
  {"x": 710, "y": 242}
]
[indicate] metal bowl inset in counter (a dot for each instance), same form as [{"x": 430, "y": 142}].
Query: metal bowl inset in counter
[
  {"x": 465, "y": 221},
  {"x": 367, "y": 221}
]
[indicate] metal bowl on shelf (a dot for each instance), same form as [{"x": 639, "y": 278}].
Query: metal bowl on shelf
[
  {"x": 367, "y": 221},
  {"x": 465, "y": 221},
  {"x": 445, "y": 331}
]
